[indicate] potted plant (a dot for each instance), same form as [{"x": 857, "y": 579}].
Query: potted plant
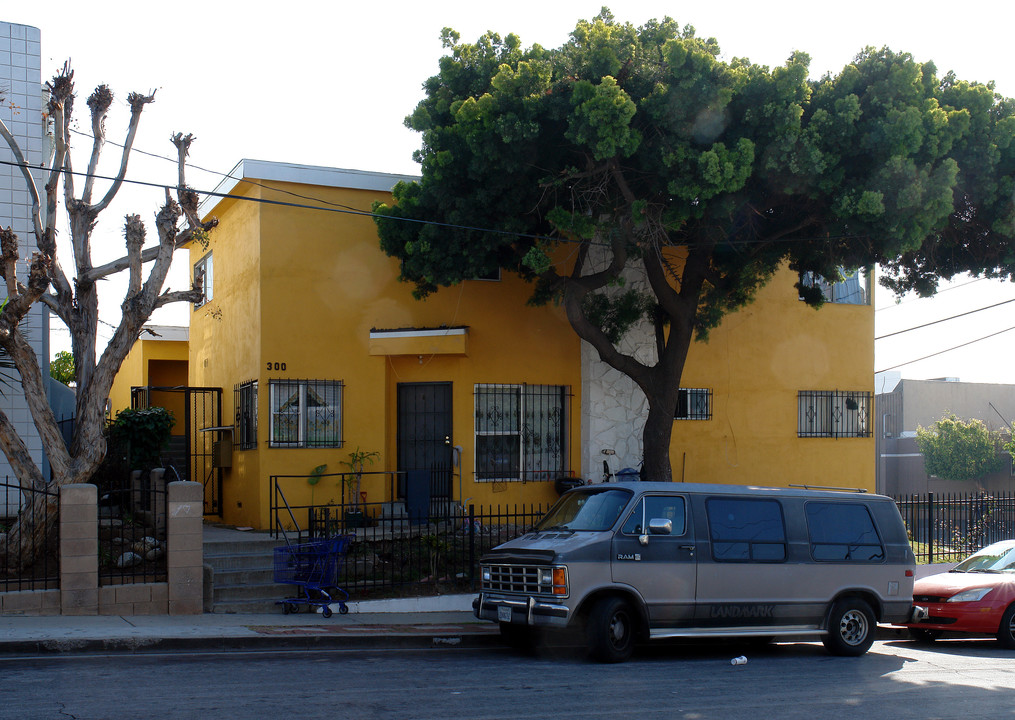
[{"x": 358, "y": 459}]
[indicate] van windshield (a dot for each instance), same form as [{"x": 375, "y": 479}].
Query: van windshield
[{"x": 587, "y": 509}]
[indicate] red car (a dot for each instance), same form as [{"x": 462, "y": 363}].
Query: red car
[{"x": 976, "y": 596}]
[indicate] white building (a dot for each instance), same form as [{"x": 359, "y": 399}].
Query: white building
[{"x": 21, "y": 107}]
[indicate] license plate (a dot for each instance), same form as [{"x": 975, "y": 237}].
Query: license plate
[{"x": 504, "y": 614}]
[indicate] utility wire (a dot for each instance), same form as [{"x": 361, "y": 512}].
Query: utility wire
[
  {"x": 935, "y": 322},
  {"x": 942, "y": 352},
  {"x": 939, "y": 292}
]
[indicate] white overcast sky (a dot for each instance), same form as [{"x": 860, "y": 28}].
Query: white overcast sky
[{"x": 329, "y": 83}]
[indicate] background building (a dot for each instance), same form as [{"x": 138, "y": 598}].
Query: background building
[
  {"x": 21, "y": 104},
  {"x": 905, "y": 405}
]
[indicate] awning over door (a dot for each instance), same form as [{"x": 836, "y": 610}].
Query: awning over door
[{"x": 420, "y": 341}]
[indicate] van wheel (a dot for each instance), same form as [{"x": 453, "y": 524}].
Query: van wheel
[
  {"x": 851, "y": 627},
  {"x": 610, "y": 630},
  {"x": 1006, "y": 632}
]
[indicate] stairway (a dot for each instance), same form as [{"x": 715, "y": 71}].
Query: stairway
[{"x": 241, "y": 570}]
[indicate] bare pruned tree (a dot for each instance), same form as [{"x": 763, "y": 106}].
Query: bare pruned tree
[{"x": 71, "y": 293}]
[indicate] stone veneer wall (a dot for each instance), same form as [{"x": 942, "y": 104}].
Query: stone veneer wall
[
  {"x": 80, "y": 592},
  {"x": 613, "y": 407}
]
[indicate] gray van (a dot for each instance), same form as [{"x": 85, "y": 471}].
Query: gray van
[{"x": 624, "y": 562}]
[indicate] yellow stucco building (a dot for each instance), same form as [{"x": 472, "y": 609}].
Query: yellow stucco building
[{"x": 320, "y": 351}]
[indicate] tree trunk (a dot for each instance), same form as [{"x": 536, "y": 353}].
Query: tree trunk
[{"x": 27, "y": 538}]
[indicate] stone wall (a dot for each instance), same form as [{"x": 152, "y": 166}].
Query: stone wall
[
  {"x": 80, "y": 592},
  {"x": 613, "y": 407}
]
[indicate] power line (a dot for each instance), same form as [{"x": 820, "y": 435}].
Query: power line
[
  {"x": 942, "y": 352},
  {"x": 939, "y": 292},
  {"x": 346, "y": 210},
  {"x": 935, "y": 322}
]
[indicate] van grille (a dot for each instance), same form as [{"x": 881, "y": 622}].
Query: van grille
[{"x": 521, "y": 579}]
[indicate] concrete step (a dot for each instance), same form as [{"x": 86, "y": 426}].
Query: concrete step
[
  {"x": 245, "y": 561},
  {"x": 248, "y": 606},
  {"x": 254, "y": 591},
  {"x": 244, "y": 576}
]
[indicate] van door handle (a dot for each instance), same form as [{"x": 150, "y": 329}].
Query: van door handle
[{"x": 686, "y": 547}]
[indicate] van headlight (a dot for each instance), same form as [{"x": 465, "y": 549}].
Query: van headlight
[
  {"x": 486, "y": 575},
  {"x": 553, "y": 580}
]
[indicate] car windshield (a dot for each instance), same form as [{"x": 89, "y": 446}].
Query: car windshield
[
  {"x": 587, "y": 509},
  {"x": 999, "y": 557}
]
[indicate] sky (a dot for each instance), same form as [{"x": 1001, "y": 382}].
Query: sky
[{"x": 329, "y": 83}]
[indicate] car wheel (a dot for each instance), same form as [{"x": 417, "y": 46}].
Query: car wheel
[
  {"x": 1006, "y": 632},
  {"x": 924, "y": 635},
  {"x": 611, "y": 630},
  {"x": 851, "y": 627}
]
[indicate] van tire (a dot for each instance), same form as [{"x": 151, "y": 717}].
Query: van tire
[
  {"x": 851, "y": 627},
  {"x": 1006, "y": 631},
  {"x": 610, "y": 630}
]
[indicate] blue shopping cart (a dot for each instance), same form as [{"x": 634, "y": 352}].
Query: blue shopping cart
[{"x": 313, "y": 567}]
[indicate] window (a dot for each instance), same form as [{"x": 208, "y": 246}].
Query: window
[
  {"x": 694, "y": 404},
  {"x": 842, "y": 532},
  {"x": 203, "y": 279},
  {"x": 833, "y": 413},
  {"x": 853, "y": 289},
  {"x": 521, "y": 432},
  {"x": 245, "y": 404},
  {"x": 656, "y": 506},
  {"x": 306, "y": 413},
  {"x": 745, "y": 530}
]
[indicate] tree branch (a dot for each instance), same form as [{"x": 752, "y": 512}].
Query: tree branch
[{"x": 137, "y": 103}]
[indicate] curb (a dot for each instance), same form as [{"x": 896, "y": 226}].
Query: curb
[{"x": 284, "y": 640}]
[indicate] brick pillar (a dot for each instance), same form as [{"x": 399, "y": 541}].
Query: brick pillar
[
  {"x": 79, "y": 549},
  {"x": 185, "y": 539}
]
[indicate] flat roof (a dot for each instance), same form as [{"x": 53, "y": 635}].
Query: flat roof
[{"x": 302, "y": 174}]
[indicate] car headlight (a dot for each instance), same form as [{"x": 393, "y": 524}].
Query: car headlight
[
  {"x": 973, "y": 595},
  {"x": 486, "y": 575}
]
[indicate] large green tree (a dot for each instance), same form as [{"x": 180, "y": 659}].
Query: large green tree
[
  {"x": 955, "y": 449},
  {"x": 641, "y": 145}
]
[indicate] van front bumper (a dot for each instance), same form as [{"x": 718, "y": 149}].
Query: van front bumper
[{"x": 517, "y": 610}]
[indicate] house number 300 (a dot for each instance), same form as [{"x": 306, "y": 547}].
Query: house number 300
[{"x": 276, "y": 366}]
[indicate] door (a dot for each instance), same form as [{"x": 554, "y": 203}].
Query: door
[
  {"x": 663, "y": 569},
  {"x": 424, "y": 443}
]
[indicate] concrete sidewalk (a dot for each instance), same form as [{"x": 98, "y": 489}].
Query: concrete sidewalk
[
  {"x": 445, "y": 621},
  {"x": 424, "y": 622}
]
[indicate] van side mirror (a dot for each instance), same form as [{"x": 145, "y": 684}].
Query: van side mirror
[{"x": 660, "y": 526}]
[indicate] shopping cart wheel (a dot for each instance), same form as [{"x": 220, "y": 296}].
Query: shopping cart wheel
[
  {"x": 326, "y": 611},
  {"x": 343, "y": 609}
]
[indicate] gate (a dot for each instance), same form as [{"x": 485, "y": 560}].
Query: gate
[{"x": 191, "y": 451}]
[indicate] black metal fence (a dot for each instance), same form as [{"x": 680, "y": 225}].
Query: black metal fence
[
  {"x": 947, "y": 527},
  {"x": 28, "y": 560},
  {"x": 438, "y": 554},
  {"x": 132, "y": 530}
]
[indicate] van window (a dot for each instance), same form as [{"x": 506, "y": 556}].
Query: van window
[
  {"x": 745, "y": 530},
  {"x": 593, "y": 509},
  {"x": 656, "y": 506},
  {"x": 842, "y": 532}
]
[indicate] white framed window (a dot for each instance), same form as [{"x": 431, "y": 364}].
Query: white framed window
[
  {"x": 203, "y": 277},
  {"x": 521, "y": 432},
  {"x": 306, "y": 413}
]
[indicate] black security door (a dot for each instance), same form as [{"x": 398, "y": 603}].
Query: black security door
[{"x": 424, "y": 442}]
